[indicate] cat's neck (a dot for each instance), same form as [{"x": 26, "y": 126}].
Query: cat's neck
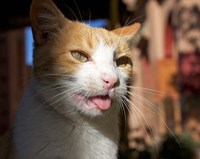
[{"x": 47, "y": 133}]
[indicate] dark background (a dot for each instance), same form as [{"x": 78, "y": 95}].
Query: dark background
[{"x": 15, "y": 13}]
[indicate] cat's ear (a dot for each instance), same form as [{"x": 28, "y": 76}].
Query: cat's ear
[
  {"x": 127, "y": 31},
  {"x": 45, "y": 19}
]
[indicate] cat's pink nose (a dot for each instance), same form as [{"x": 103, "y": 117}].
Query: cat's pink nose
[{"x": 110, "y": 82}]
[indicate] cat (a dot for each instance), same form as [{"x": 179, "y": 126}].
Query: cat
[{"x": 79, "y": 83}]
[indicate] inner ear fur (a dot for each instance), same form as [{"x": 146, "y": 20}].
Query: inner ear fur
[{"x": 45, "y": 19}]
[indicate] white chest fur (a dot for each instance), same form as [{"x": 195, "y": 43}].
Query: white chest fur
[{"x": 41, "y": 133}]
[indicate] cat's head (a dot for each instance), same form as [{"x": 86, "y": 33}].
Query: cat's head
[{"x": 88, "y": 67}]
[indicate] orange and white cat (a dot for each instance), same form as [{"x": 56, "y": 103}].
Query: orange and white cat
[{"x": 71, "y": 107}]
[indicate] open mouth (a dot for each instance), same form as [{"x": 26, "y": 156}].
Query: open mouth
[{"x": 100, "y": 102}]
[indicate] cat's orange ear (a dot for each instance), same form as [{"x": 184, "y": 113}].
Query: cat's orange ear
[
  {"x": 127, "y": 31},
  {"x": 45, "y": 19}
]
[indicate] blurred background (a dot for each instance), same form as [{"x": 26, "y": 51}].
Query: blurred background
[{"x": 164, "y": 119}]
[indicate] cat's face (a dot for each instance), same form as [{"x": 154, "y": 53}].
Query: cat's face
[{"x": 89, "y": 67}]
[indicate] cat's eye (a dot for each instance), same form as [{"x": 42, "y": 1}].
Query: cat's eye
[
  {"x": 124, "y": 62},
  {"x": 80, "y": 56}
]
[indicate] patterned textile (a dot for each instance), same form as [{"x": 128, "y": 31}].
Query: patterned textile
[{"x": 186, "y": 20}]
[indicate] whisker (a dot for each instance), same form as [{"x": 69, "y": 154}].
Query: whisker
[
  {"x": 122, "y": 104},
  {"x": 133, "y": 20},
  {"x": 52, "y": 86},
  {"x": 47, "y": 87},
  {"x": 90, "y": 16},
  {"x": 157, "y": 110},
  {"x": 52, "y": 98},
  {"x": 39, "y": 92},
  {"x": 151, "y": 91},
  {"x": 126, "y": 23},
  {"x": 146, "y": 122},
  {"x": 78, "y": 10},
  {"x": 127, "y": 20},
  {"x": 139, "y": 111},
  {"x": 130, "y": 114},
  {"x": 59, "y": 94},
  {"x": 61, "y": 75},
  {"x": 54, "y": 108},
  {"x": 71, "y": 10}
]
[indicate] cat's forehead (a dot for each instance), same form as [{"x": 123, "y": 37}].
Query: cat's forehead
[{"x": 82, "y": 36}]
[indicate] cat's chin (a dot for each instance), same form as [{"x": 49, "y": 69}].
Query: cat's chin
[{"x": 93, "y": 105}]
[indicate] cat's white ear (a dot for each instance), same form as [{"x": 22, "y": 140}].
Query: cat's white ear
[
  {"x": 45, "y": 19},
  {"x": 127, "y": 31}
]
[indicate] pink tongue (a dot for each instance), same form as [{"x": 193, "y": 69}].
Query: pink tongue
[{"x": 102, "y": 103}]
